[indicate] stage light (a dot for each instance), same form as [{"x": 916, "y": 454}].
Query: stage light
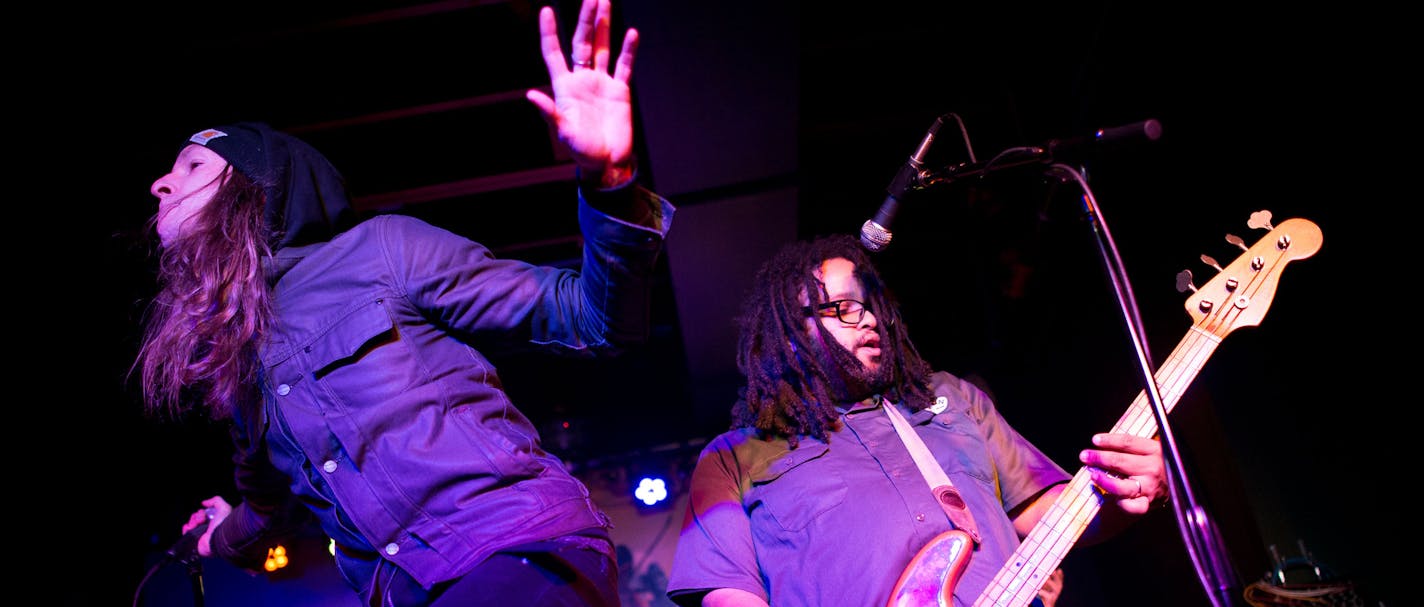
[
  {"x": 651, "y": 490},
  {"x": 276, "y": 558}
]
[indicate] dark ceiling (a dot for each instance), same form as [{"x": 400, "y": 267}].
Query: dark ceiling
[{"x": 768, "y": 121}]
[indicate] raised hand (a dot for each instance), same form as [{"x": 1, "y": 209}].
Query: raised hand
[{"x": 591, "y": 109}]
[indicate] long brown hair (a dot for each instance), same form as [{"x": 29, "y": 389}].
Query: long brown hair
[
  {"x": 789, "y": 392},
  {"x": 213, "y": 307}
]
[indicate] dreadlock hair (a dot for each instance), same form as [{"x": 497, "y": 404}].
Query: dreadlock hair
[
  {"x": 203, "y": 327},
  {"x": 789, "y": 393}
]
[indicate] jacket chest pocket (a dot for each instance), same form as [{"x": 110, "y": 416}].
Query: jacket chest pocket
[{"x": 358, "y": 353}]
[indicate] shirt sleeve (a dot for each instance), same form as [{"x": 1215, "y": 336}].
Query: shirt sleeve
[
  {"x": 715, "y": 548},
  {"x": 1021, "y": 470}
]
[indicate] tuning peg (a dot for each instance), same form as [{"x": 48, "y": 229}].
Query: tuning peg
[
  {"x": 1236, "y": 240},
  {"x": 1206, "y": 259},
  {"x": 1261, "y": 220},
  {"x": 1184, "y": 282}
]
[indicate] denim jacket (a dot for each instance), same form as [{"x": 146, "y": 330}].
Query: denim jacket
[{"x": 383, "y": 418}]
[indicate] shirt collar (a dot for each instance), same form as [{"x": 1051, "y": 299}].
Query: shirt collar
[{"x": 863, "y": 406}]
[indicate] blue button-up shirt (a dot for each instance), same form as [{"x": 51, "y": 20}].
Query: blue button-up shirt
[{"x": 836, "y": 523}]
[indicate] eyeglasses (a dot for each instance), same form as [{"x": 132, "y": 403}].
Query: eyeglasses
[{"x": 848, "y": 311}]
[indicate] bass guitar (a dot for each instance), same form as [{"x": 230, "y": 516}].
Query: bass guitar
[{"x": 1238, "y": 296}]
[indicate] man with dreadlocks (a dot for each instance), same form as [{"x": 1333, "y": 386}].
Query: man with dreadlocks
[{"x": 813, "y": 498}]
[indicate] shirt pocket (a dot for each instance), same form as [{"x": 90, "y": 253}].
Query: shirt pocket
[
  {"x": 798, "y": 487},
  {"x": 959, "y": 447}
]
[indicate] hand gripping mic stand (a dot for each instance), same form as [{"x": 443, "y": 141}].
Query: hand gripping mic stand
[
  {"x": 1203, "y": 542},
  {"x": 184, "y": 552}
]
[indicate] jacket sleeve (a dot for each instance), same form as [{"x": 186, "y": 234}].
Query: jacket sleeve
[
  {"x": 597, "y": 308},
  {"x": 267, "y": 513},
  {"x": 624, "y": 231}
]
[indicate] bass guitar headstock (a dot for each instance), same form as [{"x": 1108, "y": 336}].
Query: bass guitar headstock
[{"x": 1240, "y": 293}]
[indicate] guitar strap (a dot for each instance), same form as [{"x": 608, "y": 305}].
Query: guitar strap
[{"x": 945, "y": 494}]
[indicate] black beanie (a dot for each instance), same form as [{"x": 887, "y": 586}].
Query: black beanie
[
  {"x": 240, "y": 144},
  {"x": 306, "y": 196}
]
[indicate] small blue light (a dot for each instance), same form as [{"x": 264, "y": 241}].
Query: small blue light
[{"x": 651, "y": 490}]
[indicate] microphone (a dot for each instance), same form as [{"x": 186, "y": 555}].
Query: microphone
[
  {"x": 1149, "y": 130},
  {"x": 1050, "y": 151},
  {"x": 875, "y": 232},
  {"x": 187, "y": 546}
]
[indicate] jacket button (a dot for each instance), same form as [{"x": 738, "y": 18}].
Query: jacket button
[
  {"x": 392, "y": 548},
  {"x": 920, "y": 518},
  {"x": 283, "y": 389},
  {"x": 329, "y": 465}
]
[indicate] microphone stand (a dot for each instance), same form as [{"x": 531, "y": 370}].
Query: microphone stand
[
  {"x": 1202, "y": 539},
  {"x": 184, "y": 555},
  {"x": 195, "y": 574}
]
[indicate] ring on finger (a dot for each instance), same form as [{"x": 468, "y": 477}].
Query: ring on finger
[
  {"x": 1139, "y": 488},
  {"x": 584, "y": 64}
]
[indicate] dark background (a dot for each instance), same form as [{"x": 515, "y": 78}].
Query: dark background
[{"x": 765, "y": 122}]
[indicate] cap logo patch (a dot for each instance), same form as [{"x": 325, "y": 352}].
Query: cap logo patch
[{"x": 203, "y": 137}]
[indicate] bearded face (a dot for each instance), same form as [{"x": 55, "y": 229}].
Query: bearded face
[
  {"x": 857, "y": 381},
  {"x": 847, "y": 333}
]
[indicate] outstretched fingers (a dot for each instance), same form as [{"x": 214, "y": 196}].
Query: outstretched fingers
[
  {"x": 549, "y": 45},
  {"x": 623, "y": 71},
  {"x": 589, "y": 44},
  {"x": 603, "y": 17}
]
